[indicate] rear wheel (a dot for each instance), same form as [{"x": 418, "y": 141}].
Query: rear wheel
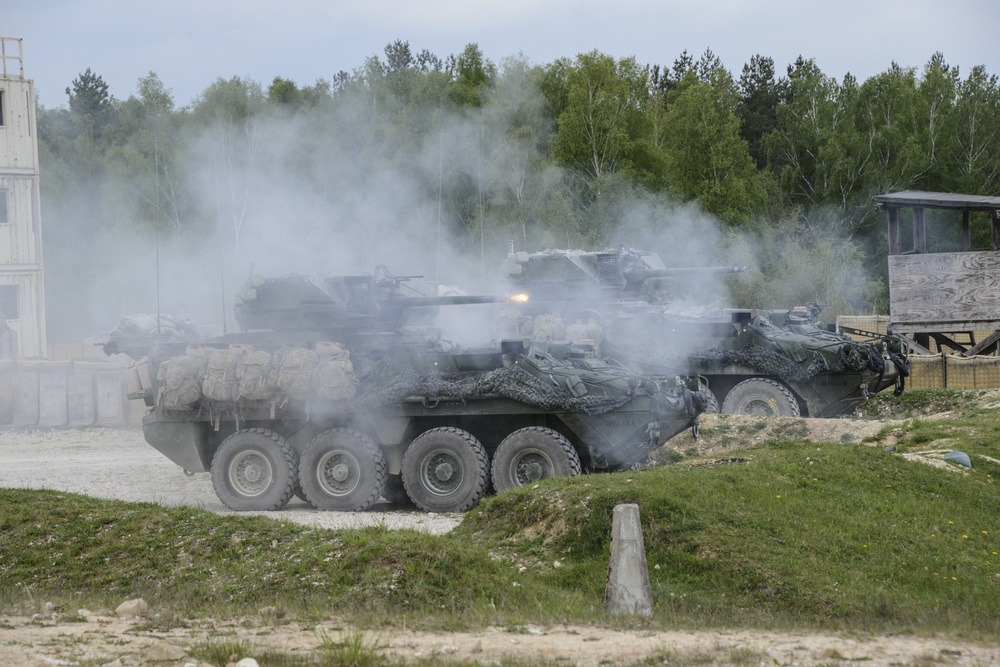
[
  {"x": 342, "y": 469},
  {"x": 761, "y": 396},
  {"x": 445, "y": 470},
  {"x": 532, "y": 454},
  {"x": 254, "y": 470}
]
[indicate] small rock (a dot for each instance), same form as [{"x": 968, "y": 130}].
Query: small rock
[
  {"x": 135, "y": 607},
  {"x": 961, "y": 458},
  {"x": 247, "y": 662},
  {"x": 165, "y": 653}
]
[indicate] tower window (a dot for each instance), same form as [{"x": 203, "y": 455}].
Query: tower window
[
  {"x": 8, "y": 302},
  {"x": 3, "y": 206}
]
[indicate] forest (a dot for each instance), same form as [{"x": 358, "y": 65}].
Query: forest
[{"x": 438, "y": 167}]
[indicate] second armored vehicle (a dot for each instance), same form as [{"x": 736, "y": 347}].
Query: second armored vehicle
[{"x": 756, "y": 362}]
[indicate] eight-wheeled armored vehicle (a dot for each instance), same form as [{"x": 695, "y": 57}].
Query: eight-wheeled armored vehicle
[
  {"x": 779, "y": 362},
  {"x": 336, "y": 392}
]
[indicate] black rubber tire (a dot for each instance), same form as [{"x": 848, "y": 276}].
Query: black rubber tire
[
  {"x": 763, "y": 397},
  {"x": 254, "y": 470},
  {"x": 342, "y": 470},
  {"x": 532, "y": 454},
  {"x": 445, "y": 470},
  {"x": 709, "y": 402},
  {"x": 395, "y": 492}
]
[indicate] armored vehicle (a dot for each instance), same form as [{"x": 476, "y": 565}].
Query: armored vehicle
[
  {"x": 343, "y": 399},
  {"x": 780, "y": 362}
]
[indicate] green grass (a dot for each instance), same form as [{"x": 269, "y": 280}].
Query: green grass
[{"x": 836, "y": 536}]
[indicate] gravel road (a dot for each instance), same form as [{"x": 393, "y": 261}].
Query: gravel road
[{"x": 116, "y": 463}]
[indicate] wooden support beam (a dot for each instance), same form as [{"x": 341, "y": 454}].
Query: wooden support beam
[
  {"x": 893, "y": 217},
  {"x": 987, "y": 345},
  {"x": 943, "y": 341},
  {"x": 919, "y": 231},
  {"x": 966, "y": 231},
  {"x": 995, "y": 218}
]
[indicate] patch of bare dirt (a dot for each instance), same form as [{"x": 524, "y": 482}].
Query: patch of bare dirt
[
  {"x": 100, "y": 640},
  {"x": 721, "y": 434}
]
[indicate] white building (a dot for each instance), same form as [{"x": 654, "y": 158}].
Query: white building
[{"x": 22, "y": 295}]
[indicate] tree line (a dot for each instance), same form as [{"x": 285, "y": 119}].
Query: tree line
[{"x": 772, "y": 170}]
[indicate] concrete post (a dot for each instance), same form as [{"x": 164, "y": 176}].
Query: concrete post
[{"x": 628, "y": 589}]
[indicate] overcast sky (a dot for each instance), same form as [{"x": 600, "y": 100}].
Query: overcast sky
[{"x": 191, "y": 43}]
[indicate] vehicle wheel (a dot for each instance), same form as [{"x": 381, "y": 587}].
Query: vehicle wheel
[
  {"x": 709, "y": 403},
  {"x": 761, "y": 396},
  {"x": 394, "y": 491},
  {"x": 254, "y": 469},
  {"x": 444, "y": 470},
  {"x": 532, "y": 454},
  {"x": 342, "y": 469}
]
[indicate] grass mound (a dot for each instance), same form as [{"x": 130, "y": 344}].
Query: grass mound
[{"x": 787, "y": 533}]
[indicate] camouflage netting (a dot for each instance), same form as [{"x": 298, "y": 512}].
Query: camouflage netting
[
  {"x": 384, "y": 382},
  {"x": 846, "y": 357}
]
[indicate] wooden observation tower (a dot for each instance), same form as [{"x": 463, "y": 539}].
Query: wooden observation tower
[{"x": 944, "y": 287}]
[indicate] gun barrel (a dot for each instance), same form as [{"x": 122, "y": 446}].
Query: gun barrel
[
  {"x": 452, "y": 300},
  {"x": 645, "y": 274}
]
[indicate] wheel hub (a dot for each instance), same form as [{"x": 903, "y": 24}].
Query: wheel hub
[
  {"x": 443, "y": 472},
  {"x": 252, "y": 472},
  {"x": 533, "y": 471},
  {"x": 340, "y": 472}
]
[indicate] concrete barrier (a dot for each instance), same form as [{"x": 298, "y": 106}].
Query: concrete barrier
[
  {"x": 628, "y": 590},
  {"x": 53, "y": 394}
]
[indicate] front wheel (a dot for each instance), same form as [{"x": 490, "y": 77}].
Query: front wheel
[
  {"x": 254, "y": 470},
  {"x": 445, "y": 470},
  {"x": 532, "y": 454},
  {"x": 761, "y": 396},
  {"x": 343, "y": 470}
]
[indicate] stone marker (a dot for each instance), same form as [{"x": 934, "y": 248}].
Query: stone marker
[{"x": 628, "y": 589}]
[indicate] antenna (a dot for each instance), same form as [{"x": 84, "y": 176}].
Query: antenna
[
  {"x": 156, "y": 210},
  {"x": 218, "y": 225}
]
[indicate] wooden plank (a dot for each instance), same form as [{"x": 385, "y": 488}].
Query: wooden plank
[{"x": 945, "y": 289}]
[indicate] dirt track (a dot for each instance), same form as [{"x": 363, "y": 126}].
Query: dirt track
[{"x": 118, "y": 464}]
